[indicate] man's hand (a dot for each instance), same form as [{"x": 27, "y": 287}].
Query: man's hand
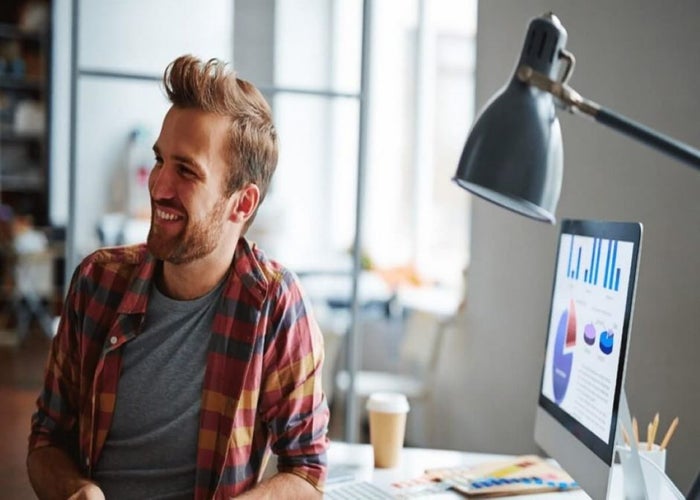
[
  {"x": 55, "y": 476},
  {"x": 88, "y": 492},
  {"x": 283, "y": 486}
]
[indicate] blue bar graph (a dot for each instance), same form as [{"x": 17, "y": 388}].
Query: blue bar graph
[
  {"x": 611, "y": 278},
  {"x": 578, "y": 262},
  {"x": 569, "y": 272},
  {"x": 596, "y": 251},
  {"x": 612, "y": 265},
  {"x": 591, "y": 274},
  {"x": 607, "y": 265}
]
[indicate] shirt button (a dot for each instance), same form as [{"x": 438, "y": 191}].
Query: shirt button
[
  {"x": 87, "y": 461},
  {"x": 113, "y": 340}
]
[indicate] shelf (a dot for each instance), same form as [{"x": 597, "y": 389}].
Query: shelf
[
  {"x": 21, "y": 183},
  {"x": 11, "y": 136},
  {"x": 12, "y": 31},
  {"x": 9, "y": 83}
]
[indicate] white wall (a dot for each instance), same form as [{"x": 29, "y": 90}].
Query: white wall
[
  {"x": 60, "y": 112},
  {"x": 638, "y": 58}
]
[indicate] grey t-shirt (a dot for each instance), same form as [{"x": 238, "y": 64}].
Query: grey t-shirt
[{"x": 151, "y": 448}]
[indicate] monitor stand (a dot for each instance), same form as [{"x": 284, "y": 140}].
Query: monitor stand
[{"x": 633, "y": 479}]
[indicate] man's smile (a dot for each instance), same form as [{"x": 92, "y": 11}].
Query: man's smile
[{"x": 164, "y": 215}]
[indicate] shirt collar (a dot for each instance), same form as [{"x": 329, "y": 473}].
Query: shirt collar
[{"x": 247, "y": 267}]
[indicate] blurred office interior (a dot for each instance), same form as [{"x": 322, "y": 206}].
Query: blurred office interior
[{"x": 481, "y": 276}]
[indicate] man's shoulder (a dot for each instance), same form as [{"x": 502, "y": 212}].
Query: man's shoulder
[
  {"x": 259, "y": 272},
  {"x": 121, "y": 261},
  {"x": 132, "y": 255},
  {"x": 267, "y": 262},
  {"x": 272, "y": 269}
]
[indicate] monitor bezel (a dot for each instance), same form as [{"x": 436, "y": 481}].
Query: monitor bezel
[{"x": 614, "y": 230}]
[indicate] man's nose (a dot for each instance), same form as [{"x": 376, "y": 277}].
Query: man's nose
[{"x": 161, "y": 182}]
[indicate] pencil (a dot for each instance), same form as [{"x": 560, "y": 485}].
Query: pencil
[
  {"x": 635, "y": 429},
  {"x": 669, "y": 433},
  {"x": 650, "y": 438},
  {"x": 654, "y": 429},
  {"x": 625, "y": 436}
]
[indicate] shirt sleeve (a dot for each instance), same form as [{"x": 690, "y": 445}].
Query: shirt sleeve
[
  {"x": 55, "y": 421},
  {"x": 293, "y": 403}
]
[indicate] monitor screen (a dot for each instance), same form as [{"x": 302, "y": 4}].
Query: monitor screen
[{"x": 587, "y": 339}]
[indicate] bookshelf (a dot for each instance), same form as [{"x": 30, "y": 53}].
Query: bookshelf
[{"x": 25, "y": 52}]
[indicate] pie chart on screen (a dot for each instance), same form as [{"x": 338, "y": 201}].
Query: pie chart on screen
[
  {"x": 607, "y": 341},
  {"x": 589, "y": 334},
  {"x": 564, "y": 344}
]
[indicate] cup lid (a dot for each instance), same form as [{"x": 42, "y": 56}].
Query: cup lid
[{"x": 388, "y": 402}]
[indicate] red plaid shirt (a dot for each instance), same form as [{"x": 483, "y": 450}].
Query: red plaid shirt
[{"x": 262, "y": 387}]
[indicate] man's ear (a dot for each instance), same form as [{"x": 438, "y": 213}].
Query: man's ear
[{"x": 245, "y": 202}]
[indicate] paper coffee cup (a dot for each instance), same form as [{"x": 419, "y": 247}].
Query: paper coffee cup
[{"x": 387, "y": 426}]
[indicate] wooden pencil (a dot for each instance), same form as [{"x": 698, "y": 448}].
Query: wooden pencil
[{"x": 669, "y": 433}]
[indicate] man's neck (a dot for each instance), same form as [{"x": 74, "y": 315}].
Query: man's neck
[{"x": 194, "y": 279}]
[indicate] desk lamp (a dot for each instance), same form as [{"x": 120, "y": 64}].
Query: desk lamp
[{"x": 514, "y": 155}]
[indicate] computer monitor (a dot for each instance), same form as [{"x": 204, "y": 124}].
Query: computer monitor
[{"x": 588, "y": 336}]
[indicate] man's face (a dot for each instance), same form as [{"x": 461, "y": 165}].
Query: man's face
[{"x": 188, "y": 206}]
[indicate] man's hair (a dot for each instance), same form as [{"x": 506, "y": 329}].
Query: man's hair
[{"x": 213, "y": 87}]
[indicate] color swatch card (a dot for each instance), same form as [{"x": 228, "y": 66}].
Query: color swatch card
[{"x": 517, "y": 476}]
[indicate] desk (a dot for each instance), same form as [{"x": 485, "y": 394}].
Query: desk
[
  {"x": 414, "y": 461},
  {"x": 334, "y": 288}
]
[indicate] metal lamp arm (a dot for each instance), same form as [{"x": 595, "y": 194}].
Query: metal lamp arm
[{"x": 574, "y": 102}]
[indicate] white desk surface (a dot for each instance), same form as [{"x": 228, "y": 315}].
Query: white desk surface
[{"x": 413, "y": 463}]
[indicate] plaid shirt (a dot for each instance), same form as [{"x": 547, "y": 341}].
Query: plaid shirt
[{"x": 262, "y": 386}]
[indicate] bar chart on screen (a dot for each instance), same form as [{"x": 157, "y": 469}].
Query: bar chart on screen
[{"x": 600, "y": 258}]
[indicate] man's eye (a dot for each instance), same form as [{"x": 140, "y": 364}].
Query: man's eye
[
  {"x": 158, "y": 160},
  {"x": 185, "y": 171}
]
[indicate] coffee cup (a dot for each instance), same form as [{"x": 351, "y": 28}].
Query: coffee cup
[{"x": 387, "y": 426}]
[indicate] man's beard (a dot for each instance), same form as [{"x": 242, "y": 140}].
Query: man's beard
[{"x": 197, "y": 240}]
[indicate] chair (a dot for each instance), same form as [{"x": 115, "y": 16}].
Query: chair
[
  {"x": 34, "y": 292},
  {"x": 29, "y": 260},
  {"x": 419, "y": 353},
  {"x": 332, "y": 343}
]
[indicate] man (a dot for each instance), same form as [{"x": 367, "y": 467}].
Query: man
[{"x": 180, "y": 363}]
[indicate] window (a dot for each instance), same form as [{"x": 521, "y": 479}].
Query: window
[{"x": 421, "y": 86}]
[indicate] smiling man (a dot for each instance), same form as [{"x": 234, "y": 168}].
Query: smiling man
[{"x": 180, "y": 364}]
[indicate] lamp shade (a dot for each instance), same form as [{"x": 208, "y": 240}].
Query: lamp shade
[{"x": 513, "y": 155}]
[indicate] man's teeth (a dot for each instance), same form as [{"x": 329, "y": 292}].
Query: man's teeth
[{"x": 166, "y": 216}]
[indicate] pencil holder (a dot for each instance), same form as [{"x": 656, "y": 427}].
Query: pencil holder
[
  {"x": 655, "y": 454},
  {"x": 652, "y": 477}
]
